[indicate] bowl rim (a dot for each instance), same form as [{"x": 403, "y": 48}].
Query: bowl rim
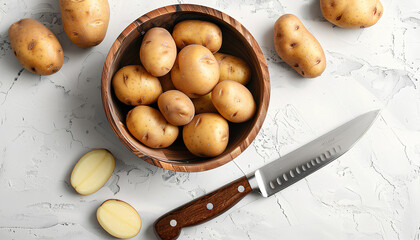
[{"x": 206, "y": 164}]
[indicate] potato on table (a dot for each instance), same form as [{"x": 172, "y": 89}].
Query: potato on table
[
  {"x": 158, "y": 51},
  {"x": 207, "y": 135},
  {"x": 118, "y": 218},
  {"x": 149, "y": 126},
  {"x": 233, "y": 68},
  {"x": 36, "y": 47},
  {"x": 298, "y": 47},
  {"x": 85, "y": 22},
  {"x": 352, "y": 13},
  {"x": 133, "y": 85},
  {"x": 198, "y": 32},
  {"x": 204, "y": 104},
  {"x": 176, "y": 107},
  {"x": 195, "y": 71},
  {"x": 92, "y": 171},
  {"x": 233, "y": 101}
]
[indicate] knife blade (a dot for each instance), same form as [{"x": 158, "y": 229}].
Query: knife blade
[{"x": 269, "y": 179}]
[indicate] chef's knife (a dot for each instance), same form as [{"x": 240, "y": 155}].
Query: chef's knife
[{"x": 268, "y": 179}]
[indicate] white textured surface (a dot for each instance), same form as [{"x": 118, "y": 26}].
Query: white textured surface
[{"x": 372, "y": 192}]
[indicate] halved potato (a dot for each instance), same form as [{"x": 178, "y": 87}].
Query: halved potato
[
  {"x": 119, "y": 218},
  {"x": 92, "y": 171}
]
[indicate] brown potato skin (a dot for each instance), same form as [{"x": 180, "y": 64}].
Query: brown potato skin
[
  {"x": 207, "y": 135},
  {"x": 352, "y": 13},
  {"x": 233, "y": 101},
  {"x": 149, "y": 126},
  {"x": 166, "y": 82},
  {"x": 298, "y": 47},
  {"x": 198, "y": 32},
  {"x": 176, "y": 107},
  {"x": 36, "y": 47},
  {"x": 233, "y": 68},
  {"x": 133, "y": 85},
  {"x": 195, "y": 71},
  {"x": 204, "y": 104},
  {"x": 85, "y": 22},
  {"x": 158, "y": 51}
]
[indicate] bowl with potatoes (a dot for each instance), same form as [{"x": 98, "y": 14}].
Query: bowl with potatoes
[{"x": 186, "y": 88}]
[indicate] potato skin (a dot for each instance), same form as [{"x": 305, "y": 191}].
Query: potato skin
[
  {"x": 36, "y": 47},
  {"x": 176, "y": 107},
  {"x": 166, "y": 82},
  {"x": 204, "y": 104},
  {"x": 207, "y": 135},
  {"x": 352, "y": 13},
  {"x": 133, "y": 85},
  {"x": 85, "y": 22},
  {"x": 148, "y": 126},
  {"x": 195, "y": 71},
  {"x": 158, "y": 51},
  {"x": 233, "y": 68},
  {"x": 233, "y": 101},
  {"x": 298, "y": 47},
  {"x": 198, "y": 32}
]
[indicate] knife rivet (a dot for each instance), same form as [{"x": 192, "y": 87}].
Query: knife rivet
[
  {"x": 209, "y": 206},
  {"x": 173, "y": 223},
  {"x": 241, "y": 188}
]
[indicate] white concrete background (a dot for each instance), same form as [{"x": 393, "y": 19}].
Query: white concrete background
[{"x": 372, "y": 192}]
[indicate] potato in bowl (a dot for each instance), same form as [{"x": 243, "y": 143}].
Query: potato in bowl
[{"x": 237, "y": 41}]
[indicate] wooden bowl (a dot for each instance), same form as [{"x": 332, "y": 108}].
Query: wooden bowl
[{"x": 236, "y": 41}]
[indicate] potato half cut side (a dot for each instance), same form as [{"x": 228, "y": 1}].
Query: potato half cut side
[
  {"x": 119, "y": 218},
  {"x": 92, "y": 171}
]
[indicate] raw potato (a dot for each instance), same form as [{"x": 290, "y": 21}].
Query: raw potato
[
  {"x": 203, "y": 104},
  {"x": 233, "y": 101},
  {"x": 166, "y": 83},
  {"x": 198, "y": 32},
  {"x": 158, "y": 51},
  {"x": 133, "y": 85},
  {"x": 176, "y": 107},
  {"x": 150, "y": 127},
  {"x": 36, "y": 47},
  {"x": 207, "y": 135},
  {"x": 352, "y": 13},
  {"x": 85, "y": 21},
  {"x": 233, "y": 68},
  {"x": 118, "y": 218},
  {"x": 92, "y": 171},
  {"x": 298, "y": 47},
  {"x": 195, "y": 71}
]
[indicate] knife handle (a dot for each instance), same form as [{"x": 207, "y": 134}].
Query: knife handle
[{"x": 202, "y": 209}]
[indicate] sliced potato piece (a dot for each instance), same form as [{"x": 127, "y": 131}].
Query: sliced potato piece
[
  {"x": 119, "y": 218},
  {"x": 92, "y": 171}
]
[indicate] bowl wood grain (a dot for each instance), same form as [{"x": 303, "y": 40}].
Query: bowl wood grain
[{"x": 237, "y": 41}]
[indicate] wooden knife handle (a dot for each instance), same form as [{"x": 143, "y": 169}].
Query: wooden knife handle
[{"x": 202, "y": 209}]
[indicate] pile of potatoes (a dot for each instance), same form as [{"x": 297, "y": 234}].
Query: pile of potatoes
[
  {"x": 38, "y": 49},
  {"x": 195, "y": 87}
]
